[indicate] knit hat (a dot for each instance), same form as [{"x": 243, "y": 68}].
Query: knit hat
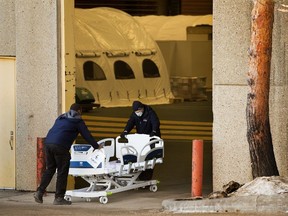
[
  {"x": 137, "y": 105},
  {"x": 75, "y": 107}
]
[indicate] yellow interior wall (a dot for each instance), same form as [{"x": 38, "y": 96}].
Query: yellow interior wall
[{"x": 68, "y": 63}]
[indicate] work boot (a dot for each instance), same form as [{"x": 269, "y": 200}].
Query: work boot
[
  {"x": 38, "y": 196},
  {"x": 61, "y": 201}
]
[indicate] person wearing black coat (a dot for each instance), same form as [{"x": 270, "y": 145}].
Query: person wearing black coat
[
  {"x": 57, "y": 146},
  {"x": 146, "y": 121},
  {"x": 144, "y": 118}
]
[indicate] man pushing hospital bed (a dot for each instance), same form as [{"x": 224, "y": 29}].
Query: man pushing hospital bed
[{"x": 115, "y": 168}]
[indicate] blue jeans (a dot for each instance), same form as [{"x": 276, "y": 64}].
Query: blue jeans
[{"x": 58, "y": 158}]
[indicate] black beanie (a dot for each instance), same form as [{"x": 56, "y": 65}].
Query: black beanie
[
  {"x": 137, "y": 105},
  {"x": 75, "y": 107}
]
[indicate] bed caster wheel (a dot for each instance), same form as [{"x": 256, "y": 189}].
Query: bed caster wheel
[
  {"x": 88, "y": 199},
  {"x": 153, "y": 188},
  {"x": 68, "y": 198},
  {"x": 103, "y": 199}
]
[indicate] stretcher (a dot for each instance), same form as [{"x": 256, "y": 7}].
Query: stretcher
[{"x": 114, "y": 168}]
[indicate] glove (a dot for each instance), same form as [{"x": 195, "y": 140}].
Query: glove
[
  {"x": 99, "y": 146},
  {"x": 123, "y": 134},
  {"x": 153, "y": 133}
]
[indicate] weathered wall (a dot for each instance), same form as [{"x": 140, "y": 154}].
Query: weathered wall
[
  {"x": 279, "y": 89},
  {"x": 38, "y": 84},
  {"x": 231, "y": 40},
  {"x": 7, "y": 28}
]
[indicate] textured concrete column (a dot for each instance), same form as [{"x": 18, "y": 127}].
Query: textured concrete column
[
  {"x": 38, "y": 84},
  {"x": 231, "y": 35},
  {"x": 279, "y": 87},
  {"x": 7, "y": 28},
  {"x": 231, "y": 40}
]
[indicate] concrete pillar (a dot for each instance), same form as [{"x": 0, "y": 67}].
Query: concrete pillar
[
  {"x": 7, "y": 28},
  {"x": 231, "y": 40},
  {"x": 39, "y": 85}
]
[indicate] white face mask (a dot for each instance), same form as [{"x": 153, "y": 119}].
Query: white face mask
[{"x": 139, "y": 114}]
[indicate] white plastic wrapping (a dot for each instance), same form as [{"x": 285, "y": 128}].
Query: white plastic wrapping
[{"x": 116, "y": 35}]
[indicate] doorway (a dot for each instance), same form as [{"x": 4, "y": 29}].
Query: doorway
[{"x": 7, "y": 123}]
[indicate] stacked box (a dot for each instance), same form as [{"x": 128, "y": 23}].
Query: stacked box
[{"x": 189, "y": 88}]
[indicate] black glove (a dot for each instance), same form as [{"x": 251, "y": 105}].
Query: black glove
[
  {"x": 153, "y": 133},
  {"x": 123, "y": 134},
  {"x": 99, "y": 146}
]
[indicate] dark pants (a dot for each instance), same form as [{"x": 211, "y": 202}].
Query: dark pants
[
  {"x": 146, "y": 175},
  {"x": 58, "y": 158}
]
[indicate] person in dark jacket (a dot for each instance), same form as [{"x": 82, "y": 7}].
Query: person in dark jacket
[
  {"x": 57, "y": 146},
  {"x": 144, "y": 118},
  {"x": 146, "y": 121}
]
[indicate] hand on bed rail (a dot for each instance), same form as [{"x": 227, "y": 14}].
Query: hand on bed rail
[
  {"x": 123, "y": 134},
  {"x": 100, "y": 146}
]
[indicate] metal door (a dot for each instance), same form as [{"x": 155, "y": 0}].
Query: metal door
[{"x": 7, "y": 122}]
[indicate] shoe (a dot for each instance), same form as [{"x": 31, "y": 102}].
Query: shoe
[
  {"x": 61, "y": 201},
  {"x": 38, "y": 196}
]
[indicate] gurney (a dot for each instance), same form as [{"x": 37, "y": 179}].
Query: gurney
[{"x": 114, "y": 168}]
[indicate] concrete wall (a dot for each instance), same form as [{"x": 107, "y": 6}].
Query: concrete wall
[
  {"x": 7, "y": 28},
  {"x": 279, "y": 89},
  {"x": 38, "y": 88},
  {"x": 231, "y": 40}
]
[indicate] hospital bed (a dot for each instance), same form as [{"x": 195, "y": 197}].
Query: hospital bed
[{"x": 114, "y": 168}]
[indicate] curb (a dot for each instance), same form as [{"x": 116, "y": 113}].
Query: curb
[{"x": 240, "y": 204}]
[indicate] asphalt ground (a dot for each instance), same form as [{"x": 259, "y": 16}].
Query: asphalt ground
[{"x": 140, "y": 203}]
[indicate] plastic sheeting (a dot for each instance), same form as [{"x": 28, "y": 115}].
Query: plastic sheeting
[
  {"x": 106, "y": 35},
  {"x": 171, "y": 27}
]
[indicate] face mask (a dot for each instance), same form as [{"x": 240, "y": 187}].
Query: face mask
[{"x": 139, "y": 114}]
